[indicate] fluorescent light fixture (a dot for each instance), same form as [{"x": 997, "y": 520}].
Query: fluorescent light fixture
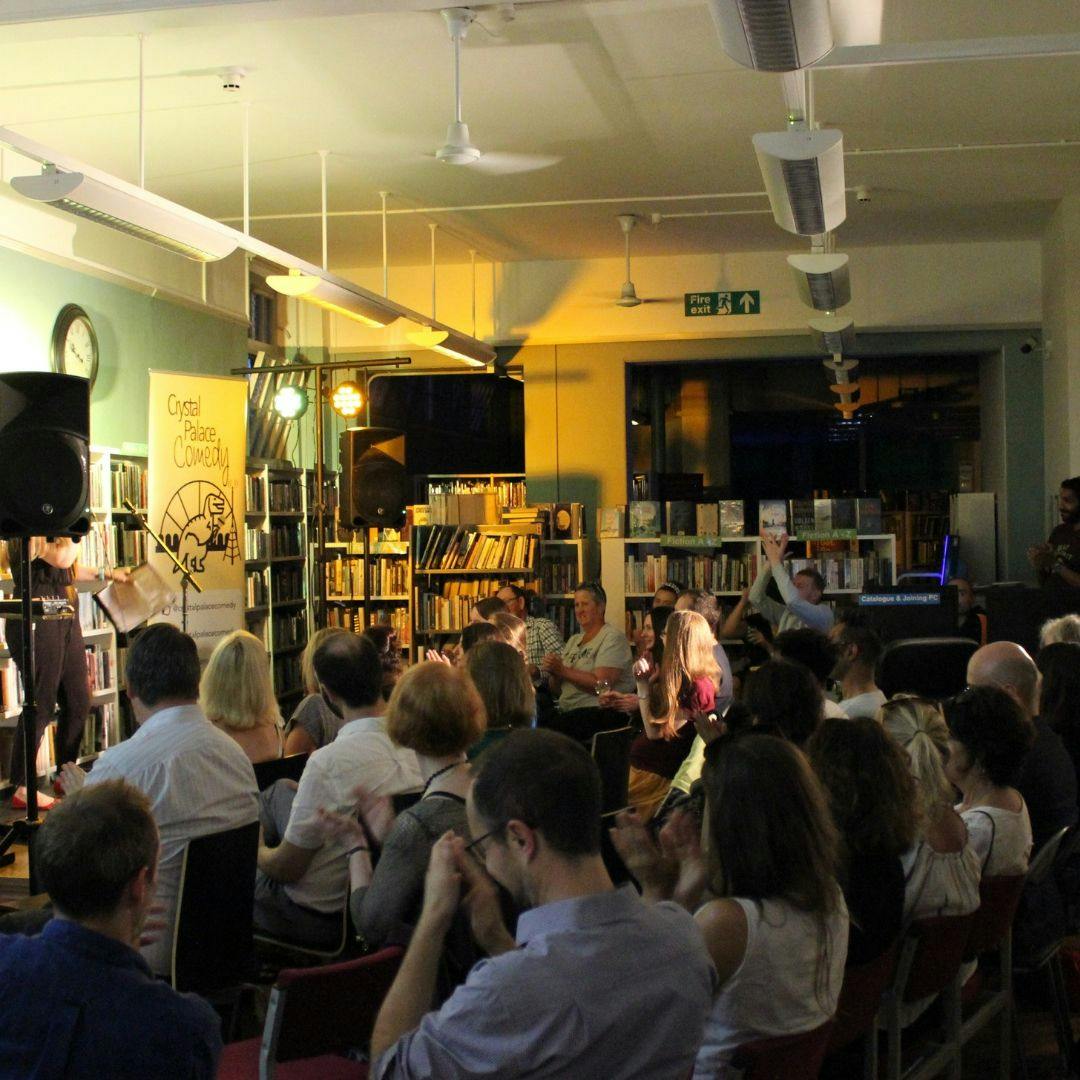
[
  {"x": 158, "y": 221},
  {"x": 342, "y": 300},
  {"x": 294, "y": 283},
  {"x": 773, "y": 35},
  {"x": 469, "y": 350},
  {"x": 804, "y": 178},
  {"x": 822, "y": 280},
  {"x": 427, "y": 337},
  {"x": 833, "y": 334}
]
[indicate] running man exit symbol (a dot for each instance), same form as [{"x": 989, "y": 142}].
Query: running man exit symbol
[{"x": 734, "y": 302}]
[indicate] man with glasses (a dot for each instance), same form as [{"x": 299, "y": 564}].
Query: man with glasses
[
  {"x": 541, "y": 635},
  {"x": 595, "y": 983}
]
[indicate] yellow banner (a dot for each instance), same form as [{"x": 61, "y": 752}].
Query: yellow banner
[{"x": 197, "y": 447}]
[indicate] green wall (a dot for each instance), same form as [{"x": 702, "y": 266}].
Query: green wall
[{"x": 136, "y": 332}]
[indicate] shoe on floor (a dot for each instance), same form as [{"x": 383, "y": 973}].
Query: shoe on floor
[{"x": 18, "y": 800}]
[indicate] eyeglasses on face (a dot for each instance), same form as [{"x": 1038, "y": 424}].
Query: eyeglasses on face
[{"x": 478, "y": 847}]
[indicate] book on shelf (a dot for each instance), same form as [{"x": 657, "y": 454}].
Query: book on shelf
[
  {"x": 707, "y": 515},
  {"x": 254, "y": 499},
  {"x": 448, "y": 608},
  {"x": 464, "y": 548},
  {"x": 732, "y": 517},
  {"x": 802, "y": 514},
  {"x": 868, "y": 516},
  {"x": 477, "y": 508},
  {"x": 255, "y": 590},
  {"x": 844, "y": 515},
  {"x": 567, "y": 521},
  {"x": 611, "y": 522},
  {"x": 128, "y": 481},
  {"x": 11, "y": 686},
  {"x": 256, "y": 543},
  {"x": 284, "y": 495},
  {"x": 506, "y": 492},
  {"x": 644, "y": 518},
  {"x": 854, "y": 572},
  {"x": 286, "y": 584},
  {"x": 681, "y": 517},
  {"x": 772, "y": 517},
  {"x": 823, "y": 516},
  {"x": 721, "y": 572}
]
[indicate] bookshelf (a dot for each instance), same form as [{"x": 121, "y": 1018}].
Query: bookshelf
[
  {"x": 562, "y": 568},
  {"x": 276, "y": 593},
  {"x": 631, "y": 568},
  {"x": 509, "y": 488},
  {"x": 453, "y": 566},
  {"x": 389, "y": 570}
]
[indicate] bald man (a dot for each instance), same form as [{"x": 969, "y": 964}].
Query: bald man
[{"x": 1047, "y": 779}]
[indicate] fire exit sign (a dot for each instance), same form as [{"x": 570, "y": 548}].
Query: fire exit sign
[{"x": 736, "y": 302}]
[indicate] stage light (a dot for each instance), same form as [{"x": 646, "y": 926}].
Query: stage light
[
  {"x": 291, "y": 402},
  {"x": 346, "y": 400}
]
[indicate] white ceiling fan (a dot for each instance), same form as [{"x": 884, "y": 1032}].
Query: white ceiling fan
[
  {"x": 458, "y": 148},
  {"x": 628, "y": 297}
]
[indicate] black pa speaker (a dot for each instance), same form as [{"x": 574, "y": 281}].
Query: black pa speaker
[
  {"x": 44, "y": 454},
  {"x": 373, "y": 481}
]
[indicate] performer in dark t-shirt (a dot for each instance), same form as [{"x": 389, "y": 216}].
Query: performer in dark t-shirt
[{"x": 1058, "y": 560}]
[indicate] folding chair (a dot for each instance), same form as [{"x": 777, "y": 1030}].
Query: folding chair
[
  {"x": 315, "y": 1016},
  {"x": 282, "y": 768},
  {"x": 930, "y": 956},
  {"x": 345, "y": 944},
  {"x": 781, "y": 1057},
  {"x": 212, "y": 949},
  {"x": 1048, "y": 958},
  {"x": 611, "y": 752},
  {"x": 856, "y": 1012},
  {"x": 991, "y": 931}
]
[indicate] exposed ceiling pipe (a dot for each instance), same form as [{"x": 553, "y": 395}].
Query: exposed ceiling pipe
[{"x": 142, "y": 115}]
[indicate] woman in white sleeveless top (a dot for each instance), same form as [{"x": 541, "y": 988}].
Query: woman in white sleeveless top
[
  {"x": 941, "y": 871},
  {"x": 765, "y": 894}
]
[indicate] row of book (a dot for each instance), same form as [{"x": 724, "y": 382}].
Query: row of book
[
  {"x": 507, "y": 493},
  {"x": 449, "y": 608},
  {"x": 284, "y": 541},
  {"x": 465, "y": 548},
  {"x": 99, "y": 668},
  {"x": 289, "y": 629},
  {"x": 256, "y": 543},
  {"x": 721, "y": 573},
  {"x": 728, "y": 518},
  {"x": 129, "y": 546},
  {"x": 481, "y": 508},
  {"x": 287, "y": 676},
  {"x": 386, "y": 577},
  {"x": 287, "y": 584},
  {"x": 285, "y": 495},
  {"x": 255, "y": 590},
  {"x": 847, "y": 572},
  {"x": 352, "y": 618},
  {"x": 558, "y": 575},
  {"x": 128, "y": 481},
  {"x": 254, "y": 494},
  {"x": 562, "y": 615}
]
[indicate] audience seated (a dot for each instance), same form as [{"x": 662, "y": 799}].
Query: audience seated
[
  {"x": 666, "y": 595},
  {"x": 685, "y": 685},
  {"x": 511, "y": 630},
  {"x": 858, "y": 650},
  {"x": 988, "y": 738},
  {"x": 197, "y": 779},
  {"x": 648, "y": 650},
  {"x": 872, "y": 797},
  {"x": 303, "y": 876},
  {"x": 503, "y": 682},
  {"x": 968, "y": 624},
  {"x": 596, "y": 984},
  {"x": 436, "y": 712},
  {"x": 813, "y": 650},
  {"x": 78, "y": 1001},
  {"x": 1059, "y": 701},
  {"x": 313, "y": 723},
  {"x": 1065, "y": 628},
  {"x": 705, "y": 604},
  {"x": 387, "y": 645},
  {"x": 776, "y": 927},
  {"x": 1047, "y": 779},
  {"x": 482, "y": 610},
  {"x": 800, "y": 595},
  {"x": 541, "y": 635},
  {"x": 941, "y": 870},
  {"x": 592, "y": 661},
  {"x": 236, "y": 695},
  {"x": 785, "y": 699}
]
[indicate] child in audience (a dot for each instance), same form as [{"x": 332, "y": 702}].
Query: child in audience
[
  {"x": 941, "y": 870},
  {"x": 685, "y": 684},
  {"x": 777, "y": 926},
  {"x": 872, "y": 798},
  {"x": 236, "y": 695},
  {"x": 314, "y": 723}
]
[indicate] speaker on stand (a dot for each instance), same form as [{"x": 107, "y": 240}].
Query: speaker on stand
[
  {"x": 44, "y": 491},
  {"x": 372, "y": 485}
]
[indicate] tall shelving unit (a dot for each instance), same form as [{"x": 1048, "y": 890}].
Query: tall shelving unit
[
  {"x": 562, "y": 567},
  {"x": 389, "y": 570}
]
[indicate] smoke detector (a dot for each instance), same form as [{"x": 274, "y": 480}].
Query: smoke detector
[{"x": 232, "y": 79}]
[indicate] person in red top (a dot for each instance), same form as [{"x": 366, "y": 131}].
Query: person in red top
[
  {"x": 685, "y": 685},
  {"x": 1059, "y": 558}
]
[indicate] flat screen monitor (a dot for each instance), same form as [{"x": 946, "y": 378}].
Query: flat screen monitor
[{"x": 913, "y": 612}]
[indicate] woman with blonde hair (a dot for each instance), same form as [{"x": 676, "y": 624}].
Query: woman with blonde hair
[
  {"x": 941, "y": 871},
  {"x": 236, "y": 696},
  {"x": 686, "y": 684},
  {"x": 511, "y": 630},
  {"x": 314, "y": 723}
]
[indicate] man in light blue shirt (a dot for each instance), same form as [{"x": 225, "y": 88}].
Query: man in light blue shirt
[
  {"x": 802, "y": 595},
  {"x": 596, "y": 983}
]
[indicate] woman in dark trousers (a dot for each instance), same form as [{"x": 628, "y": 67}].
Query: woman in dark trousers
[{"x": 60, "y": 676}]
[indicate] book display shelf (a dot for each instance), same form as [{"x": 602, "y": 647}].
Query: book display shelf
[
  {"x": 562, "y": 568},
  {"x": 389, "y": 572}
]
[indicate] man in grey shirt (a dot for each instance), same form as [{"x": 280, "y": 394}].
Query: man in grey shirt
[
  {"x": 802, "y": 595},
  {"x": 595, "y": 984}
]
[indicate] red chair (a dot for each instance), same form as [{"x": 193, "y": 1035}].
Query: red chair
[
  {"x": 856, "y": 1011},
  {"x": 314, "y": 1017},
  {"x": 929, "y": 964},
  {"x": 781, "y": 1057}
]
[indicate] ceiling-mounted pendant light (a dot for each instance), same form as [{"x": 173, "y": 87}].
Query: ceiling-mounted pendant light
[
  {"x": 294, "y": 283},
  {"x": 804, "y": 178},
  {"x": 427, "y": 337},
  {"x": 822, "y": 280},
  {"x": 773, "y": 35},
  {"x": 833, "y": 334}
]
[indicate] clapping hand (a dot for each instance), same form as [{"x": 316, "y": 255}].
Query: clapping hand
[
  {"x": 1040, "y": 556},
  {"x": 641, "y": 668},
  {"x": 72, "y": 777},
  {"x": 437, "y": 657},
  {"x": 656, "y": 870},
  {"x": 442, "y": 884},
  {"x": 552, "y": 664},
  {"x": 485, "y": 912},
  {"x": 680, "y": 839},
  {"x": 150, "y": 931}
]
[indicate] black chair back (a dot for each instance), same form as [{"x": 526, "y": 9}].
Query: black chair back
[
  {"x": 611, "y": 752},
  {"x": 282, "y": 768},
  {"x": 213, "y": 946},
  {"x": 934, "y": 668}
]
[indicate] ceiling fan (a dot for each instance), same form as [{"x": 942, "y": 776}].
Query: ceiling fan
[
  {"x": 628, "y": 297},
  {"x": 458, "y": 148}
]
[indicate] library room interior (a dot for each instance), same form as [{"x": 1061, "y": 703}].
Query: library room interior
[{"x": 499, "y": 500}]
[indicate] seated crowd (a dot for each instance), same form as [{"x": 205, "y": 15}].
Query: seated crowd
[{"x": 786, "y": 821}]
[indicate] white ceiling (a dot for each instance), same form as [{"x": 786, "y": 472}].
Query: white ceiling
[{"x": 635, "y": 96}]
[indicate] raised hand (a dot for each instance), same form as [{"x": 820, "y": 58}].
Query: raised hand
[
  {"x": 481, "y": 901},
  {"x": 655, "y": 870},
  {"x": 442, "y": 884},
  {"x": 680, "y": 840}
]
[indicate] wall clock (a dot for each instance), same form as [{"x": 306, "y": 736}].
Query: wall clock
[{"x": 75, "y": 344}]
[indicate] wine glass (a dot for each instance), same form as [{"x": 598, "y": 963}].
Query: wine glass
[{"x": 602, "y": 686}]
